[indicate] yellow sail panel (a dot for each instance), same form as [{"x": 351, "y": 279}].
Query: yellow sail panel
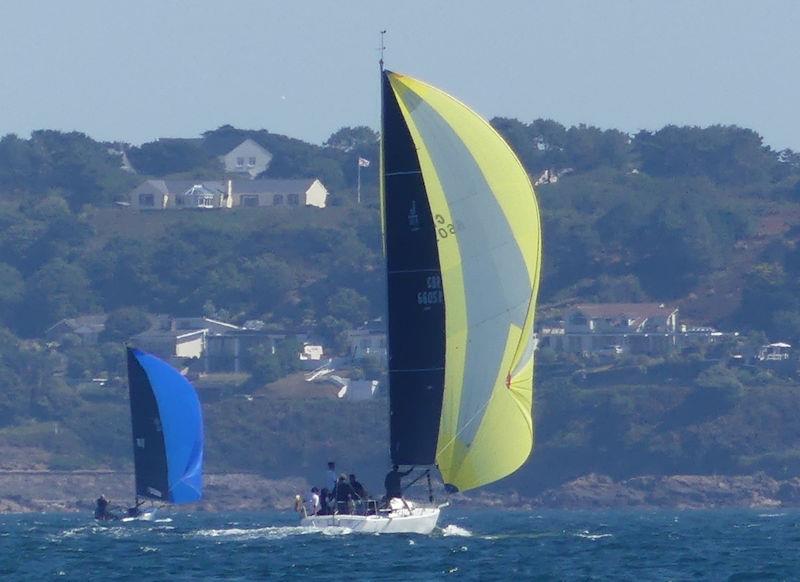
[{"x": 489, "y": 245}]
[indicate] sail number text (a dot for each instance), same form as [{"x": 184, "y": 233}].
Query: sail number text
[
  {"x": 443, "y": 228},
  {"x": 434, "y": 294}
]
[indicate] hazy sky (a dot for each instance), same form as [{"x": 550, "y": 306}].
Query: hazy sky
[{"x": 142, "y": 69}]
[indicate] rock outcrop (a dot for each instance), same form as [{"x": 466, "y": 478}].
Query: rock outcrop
[{"x": 679, "y": 491}]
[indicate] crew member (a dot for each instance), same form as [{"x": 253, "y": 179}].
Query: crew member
[
  {"x": 312, "y": 502},
  {"x": 330, "y": 476},
  {"x": 393, "y": 482},
  {"x": 358, "y": 488},
  {"x": 344, "y": 495},
  {"x": 101, "y": 509},
  {"x": 324, "y": 498}
]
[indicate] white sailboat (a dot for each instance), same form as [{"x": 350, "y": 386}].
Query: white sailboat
[{"x": 462, "y": 240}]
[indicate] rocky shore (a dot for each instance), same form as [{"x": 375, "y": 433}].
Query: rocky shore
[
  {"x": 24, "y": 491},
  {"x": 54, "y": 491},
  {"x": 673, "y": 491}
]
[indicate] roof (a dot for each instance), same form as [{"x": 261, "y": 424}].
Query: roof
[
  {"x": 629, "y": 310},
  {"x": 246, "y": 142},
  {"x": 264, "y": 185},
  {"x": 182, "y": 186},
  {"x": 182, "y": 334},
  {"x": 83, "y": 322},
  {"x": 294, "y": 186}
]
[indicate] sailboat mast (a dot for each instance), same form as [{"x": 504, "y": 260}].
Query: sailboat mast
[
  {"x": 380, "y": 62},
  {"x": 382, "y": 198}
]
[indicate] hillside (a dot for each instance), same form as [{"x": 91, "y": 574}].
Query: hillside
[{"x": 704, "y": 218}]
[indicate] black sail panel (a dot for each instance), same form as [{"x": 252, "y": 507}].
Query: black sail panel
[
  {"x": 416, "y": 326},
  {"x": 149, "y": 453}
]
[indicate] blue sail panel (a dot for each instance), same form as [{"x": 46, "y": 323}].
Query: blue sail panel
[{"x": 181, "y": 422}]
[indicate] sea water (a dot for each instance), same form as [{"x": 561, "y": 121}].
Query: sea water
[{"x": 469, "y": 545}]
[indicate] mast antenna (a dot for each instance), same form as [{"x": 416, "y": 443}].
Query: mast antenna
[{"x": 382, "y": 48}]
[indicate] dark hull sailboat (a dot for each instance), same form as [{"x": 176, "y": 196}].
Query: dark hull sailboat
[{"x": 167, "y": 426}]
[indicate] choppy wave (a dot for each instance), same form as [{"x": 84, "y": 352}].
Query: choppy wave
[
  {"x": 455, "y": 530},
  {"x": 485, "y": 544},
  {"x": 269, "y": 533},
  {"x": 587, "y": 535}
]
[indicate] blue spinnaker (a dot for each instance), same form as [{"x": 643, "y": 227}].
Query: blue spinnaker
[{"x": 167, "y": 430}]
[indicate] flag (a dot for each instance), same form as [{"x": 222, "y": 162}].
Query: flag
[{"x": 363, "y": 163}]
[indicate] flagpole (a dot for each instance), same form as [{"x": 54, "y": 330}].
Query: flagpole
[{"x": 358, "y": 189}]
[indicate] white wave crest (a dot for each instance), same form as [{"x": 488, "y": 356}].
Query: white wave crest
[
  {"x": 454, "y": 530},
  {"x": 592, "y": 536},
  {"x": 269, "y": 533}
]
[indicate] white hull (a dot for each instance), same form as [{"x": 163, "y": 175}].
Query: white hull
[
  {"x": 148, "y": 515},
  {"x": 419, "y": 520}
]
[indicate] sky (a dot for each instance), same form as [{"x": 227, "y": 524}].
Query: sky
[{"x": 135, "y": 71}]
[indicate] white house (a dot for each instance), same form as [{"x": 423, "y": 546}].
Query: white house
[
  {"x": 164, "y": 194},
  {"x": 775, "y": 352},
  {"x": 170, "y": 343},
  {"x": 233, "y": 193},
  {"x": 247, "y": 158},
  {"x": 279, "y": 193},
  {"x": 615, "y": 328}
]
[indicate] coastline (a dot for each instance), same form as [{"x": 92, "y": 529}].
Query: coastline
[{"x": 28, "y": 491}]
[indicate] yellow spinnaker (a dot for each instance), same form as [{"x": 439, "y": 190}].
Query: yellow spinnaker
[{"x": 489, "y": 243}]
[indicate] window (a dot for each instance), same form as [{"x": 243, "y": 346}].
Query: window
[
  {"x": 248, "y": 200},
  {"x": 293, "y": 199},
  {"x": 251, "y": 161},
  {"x": 277, "y": 200},
  {"x": 146, "y": 200},
  {"x": 240, "y": 162},
  {"x": 205, "y": 201}
]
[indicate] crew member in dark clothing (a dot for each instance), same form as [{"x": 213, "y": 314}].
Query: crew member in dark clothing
[
  {"x": 393, "y": 482},
  {"x": 358, "y": 488},
  {"x": 101, "y": 509},
  {"x": 324, "y": 497},
  {"x": 344, "y": 494}
]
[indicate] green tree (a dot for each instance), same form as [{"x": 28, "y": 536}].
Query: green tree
[
  {"x": 726, "y": 154},
  {"x": 271, "y": 279},
  {"x": 55, "y": 291},
  {"x": 348, "y": 305},
  {"x": 349, "y": 139},
  {"x": 12, "y": 290},
  {"x": 124, "y": 323},
  {"x": 163, "y": 157}
]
